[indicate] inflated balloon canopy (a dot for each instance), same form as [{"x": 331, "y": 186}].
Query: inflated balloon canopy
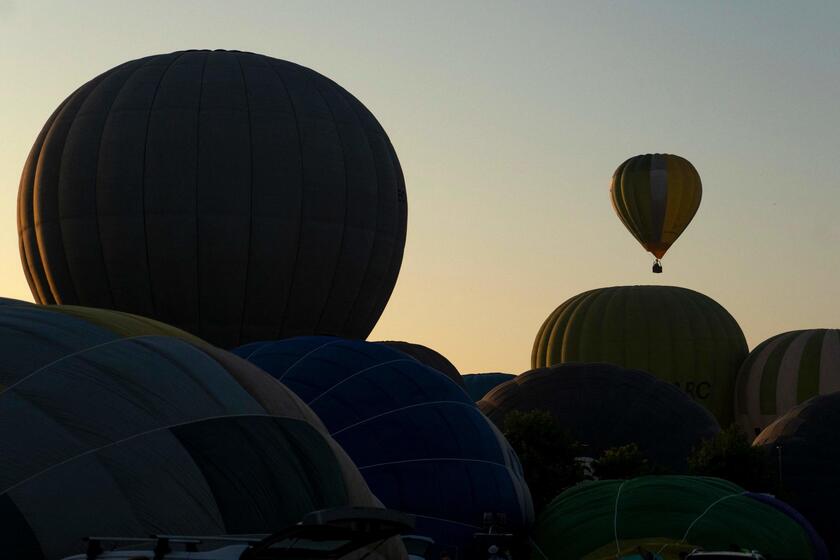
[
  {"x": 679, "y": 335},
  {"x": 805, "y": 442},
  {"x": 95, "y": 435},
  {"x": 605, "y": 406},
  {"x": 784, "y": 371},
  {"x": 669, "y": 516},
  {"x": 236, "y": 196},
  {"x": 418, "y": 439},
  {"x": 655, "y": 196},
  {"x": 479, "y": 384}
]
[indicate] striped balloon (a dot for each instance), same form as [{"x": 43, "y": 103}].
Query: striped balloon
[
  {"x": 784, "y": 371},
  {"x": 656, "y": 196}
]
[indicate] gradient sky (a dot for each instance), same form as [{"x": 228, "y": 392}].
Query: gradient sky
[{"x": 509, "y": 119}]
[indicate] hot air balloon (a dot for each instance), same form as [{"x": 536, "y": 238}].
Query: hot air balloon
[
  {"x": 783, "y": 371},
  {"x": 119, "y": 425},
  {"x": 479, "y": 384},
  {"x": 426, "y": 355},
  {"x": 233, "y": 195},
  {"x": 669, "y": 516},
  {"x": 419, "y": 440},
  {"x": 655, "y": 197},
  {"x": 679, "y": 335},
  {"x": 805, "y": 441},
  {"x": 606, "y": 406}
]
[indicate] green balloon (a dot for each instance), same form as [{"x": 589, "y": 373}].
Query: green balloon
[
  {"x": 668, "y": 515},
  {"x": 679, "y": 335}
]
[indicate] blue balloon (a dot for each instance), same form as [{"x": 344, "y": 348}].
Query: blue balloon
[
  {"x": 479, "y": 384},
  {"x": 418, "y": 439}
]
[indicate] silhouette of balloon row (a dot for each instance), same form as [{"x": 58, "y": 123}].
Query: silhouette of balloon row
[
  {"x": 244, "y": 198},
  {"x": 114, "y": 424},
  {"x": 118, "y": 424},
  {"x": 240, "y": 198},
  {"x": 688, "y": 340}
]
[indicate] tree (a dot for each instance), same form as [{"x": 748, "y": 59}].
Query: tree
[
  {"x": 547, "y": 452},
  {"x": 729, "y": 455},
  {"x": 626, "y": 461}
]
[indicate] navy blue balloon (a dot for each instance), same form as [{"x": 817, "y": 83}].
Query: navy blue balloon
[
  {"x": 418, "y": 439},
  {"x": 479, "y": 384}
]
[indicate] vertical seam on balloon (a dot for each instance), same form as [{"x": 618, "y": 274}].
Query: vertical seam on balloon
[
  {"x": 364, "y": 281},
  {"x": 250, "y": 200},
  {"x": 723, "y": 325},
  {"x": 197, "y": 168},
  {"x": 398, "y": 249},
  {"x": 60, "y": 233},
  {"x": 626, "y": 192},
  {"x": 558, "y": 318},
  {"x": 43, "y": 277},
  {"x": 143, "y": 180},
  {"x": 564, "y": 320},
  {"x": 292, "y": 270},
  {"x": 688, "y": 309},
  {"x": 73, "y": 280},
  {"x": 615, "y": 519},
  {"x": 762, "y": 354},
  {"x": 712, "y": 314},
  {"x": 600, "y": 354},
  {"x": 794, "y": 353},
  {"x": 109, "y": 288},
  {"x": 659, "y": 206},
  {"x": 346, "y": 202},
  {"x": 39, "y": 283}
]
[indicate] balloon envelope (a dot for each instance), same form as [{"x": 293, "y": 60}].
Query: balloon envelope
[
  {"x": 479, "y": 384},
  {"x": 418, "y": 439},
  {"x": 233, "y": 195},
  {"x": 679, "y": 335},
  {"x": 80, "y": 407},
  {"x": 783, "y": 371},
  {"x": 669, "y": 515},
  {"x": 605, "y": 406},
  {"x": 806, "y": 443},
  {"x": 427, "y": 356},
  {"x": 655, "y": 197}
]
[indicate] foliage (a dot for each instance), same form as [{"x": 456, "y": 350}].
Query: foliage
[
  {"x": 547, "y": 452},
  {"x": 729, "y": 455},
  {"x": 626, "y": 461}
]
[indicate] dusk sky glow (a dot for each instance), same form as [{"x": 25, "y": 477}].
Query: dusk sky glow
[{"x": 509, "y": 120}]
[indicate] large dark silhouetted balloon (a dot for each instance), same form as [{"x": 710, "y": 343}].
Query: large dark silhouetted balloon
[
  {"x": 104, "y": 430},
  {"x": 783, "y": 371},
  {"x": 426, "y": 355},
  {"x": 418, "y": 439},
  {"x": 479, "y": 384},
  {"x": 679, "y": 335},
  {"x": 606, "y": 406},
  {"x": 232, "y": 195},
  {"x": 806, "y": 443}
]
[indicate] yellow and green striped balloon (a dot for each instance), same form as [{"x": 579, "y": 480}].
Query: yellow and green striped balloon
[
  {"x": 784, "y": 371},
  {"x": 656, "y": 196}
]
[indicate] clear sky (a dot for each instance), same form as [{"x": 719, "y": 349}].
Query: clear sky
[{"x": 509, "y": 119}]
